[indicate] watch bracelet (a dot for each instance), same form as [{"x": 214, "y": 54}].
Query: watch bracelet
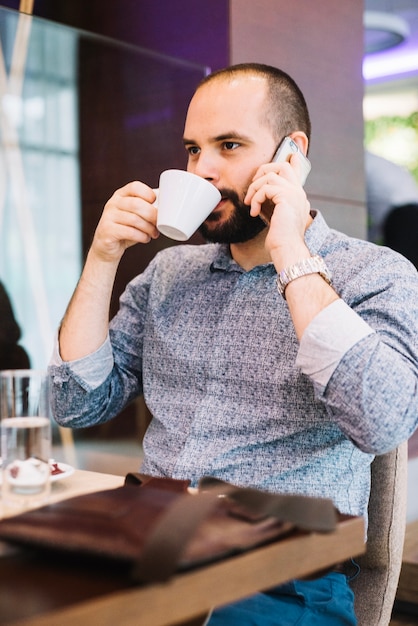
[{"x": 312, "y": 265}]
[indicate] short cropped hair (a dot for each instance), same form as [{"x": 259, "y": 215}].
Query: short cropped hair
[{"x": 286, "y": 108}]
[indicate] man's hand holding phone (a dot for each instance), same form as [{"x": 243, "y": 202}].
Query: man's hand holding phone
[
  {"x": 279, "y": 191},
  {"x": 284, "y": 154},
  {"x": 286, "y": 150}
]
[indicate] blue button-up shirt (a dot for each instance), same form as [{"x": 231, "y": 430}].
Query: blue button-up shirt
[{"x": 232, "y": 392}]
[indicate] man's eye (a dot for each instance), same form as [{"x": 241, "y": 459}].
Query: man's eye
[
  {"x": 192, "y": 150},
  {"x": 230, "y": 145}
]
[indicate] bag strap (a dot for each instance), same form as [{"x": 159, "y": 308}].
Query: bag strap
[
  {"x": 174, "y": 529},
  {"x": 157, "y": 482},
  {"x": 170, "y": 535},
  {"x": 307, "y": 513}
]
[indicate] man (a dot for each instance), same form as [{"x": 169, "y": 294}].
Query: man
[{"x": 290, "y": 391}]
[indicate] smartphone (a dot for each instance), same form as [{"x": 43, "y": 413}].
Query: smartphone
[{"x": 287, "y": 148}]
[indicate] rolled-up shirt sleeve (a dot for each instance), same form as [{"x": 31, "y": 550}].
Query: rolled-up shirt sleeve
[
  {"x": 327, "y": 338},
  {"x": 92, "y": 369}
]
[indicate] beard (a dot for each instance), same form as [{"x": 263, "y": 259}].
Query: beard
[{"x": 238, "y": 228}]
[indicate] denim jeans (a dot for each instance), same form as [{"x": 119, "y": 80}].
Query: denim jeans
[{"x": 326, "y": 601}]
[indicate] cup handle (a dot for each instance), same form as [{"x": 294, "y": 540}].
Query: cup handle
[{"x": 156, "y": 191}]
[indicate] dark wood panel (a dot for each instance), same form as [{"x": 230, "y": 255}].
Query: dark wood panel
[{"x": 131, "y": 116}]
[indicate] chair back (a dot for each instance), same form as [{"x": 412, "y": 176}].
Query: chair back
[{"x": 375, "y": 586}]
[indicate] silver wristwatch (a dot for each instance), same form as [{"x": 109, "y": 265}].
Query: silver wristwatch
[{"x": 312, "y": 265}]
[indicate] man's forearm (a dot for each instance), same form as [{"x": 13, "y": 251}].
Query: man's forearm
[
  {"x": 127, "y": 219},
  {"x": 307, "y": 295},
  {"x": 86, "y": 321}
]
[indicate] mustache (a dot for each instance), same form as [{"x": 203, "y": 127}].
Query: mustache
[
  {"x": 239, "y": 225},
  {"x": 232, "y": 196}
]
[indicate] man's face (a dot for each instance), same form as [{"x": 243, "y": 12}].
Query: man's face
[{"x": 227, "y": 141}]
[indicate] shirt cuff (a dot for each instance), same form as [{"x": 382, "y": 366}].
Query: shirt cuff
[
  {"x": 92, "y": 369},
  {"x": 326, "y": 340}
]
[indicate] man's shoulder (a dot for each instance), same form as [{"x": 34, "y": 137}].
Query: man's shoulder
[
  {"x": 361, "y": 248},
  {"x": 359, "y": 267}
]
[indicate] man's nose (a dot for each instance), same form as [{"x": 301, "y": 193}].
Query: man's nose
[{"x": 205, "y": 166}]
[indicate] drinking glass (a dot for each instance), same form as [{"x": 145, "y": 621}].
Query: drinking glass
[{"x": 25, "y": 437}]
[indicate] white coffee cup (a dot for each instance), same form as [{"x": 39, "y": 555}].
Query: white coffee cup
[{"x": 184, "y": 201}]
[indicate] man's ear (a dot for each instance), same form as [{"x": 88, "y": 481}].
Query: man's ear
[{"x": 302, "y": 141}]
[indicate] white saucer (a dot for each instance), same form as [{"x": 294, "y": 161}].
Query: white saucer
[{"x": 67, "y": 470}]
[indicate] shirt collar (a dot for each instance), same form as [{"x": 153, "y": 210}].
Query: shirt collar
[{"x": 223, "y": 261}]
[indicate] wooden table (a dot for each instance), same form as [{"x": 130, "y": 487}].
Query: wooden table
[{"x": 88, "y": 595}]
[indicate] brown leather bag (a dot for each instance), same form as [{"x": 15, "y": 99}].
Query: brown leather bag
[{"x": 160, "y": 528}]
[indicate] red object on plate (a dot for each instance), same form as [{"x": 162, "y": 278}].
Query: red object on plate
[{"x": 55, "y": 469}]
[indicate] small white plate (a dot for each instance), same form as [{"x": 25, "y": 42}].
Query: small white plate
[{"x": 66, "y": 471}]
